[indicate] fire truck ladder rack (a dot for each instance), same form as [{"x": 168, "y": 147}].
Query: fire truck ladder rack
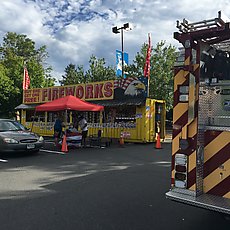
[
  {"x": 186, "y": 27},
  {"x": 215, "y": 32}
]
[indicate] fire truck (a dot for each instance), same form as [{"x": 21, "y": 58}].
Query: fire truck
[{"x": 200, "y": 174}]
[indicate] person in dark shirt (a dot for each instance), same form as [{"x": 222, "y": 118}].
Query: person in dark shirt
[{"x": 57, "y": 130}]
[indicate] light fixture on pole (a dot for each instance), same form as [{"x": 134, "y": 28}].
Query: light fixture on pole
[{"x": 116, "y": 30}]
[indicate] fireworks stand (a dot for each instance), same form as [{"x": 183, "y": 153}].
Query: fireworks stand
[{"x": 127, "y": 110}]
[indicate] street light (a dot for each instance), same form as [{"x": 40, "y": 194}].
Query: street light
[{"x": 126, "y": 26}]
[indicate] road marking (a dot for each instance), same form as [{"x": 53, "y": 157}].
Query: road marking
[
  {"x": 51, "y": 151},
  {"x": 4, "y": 161}
]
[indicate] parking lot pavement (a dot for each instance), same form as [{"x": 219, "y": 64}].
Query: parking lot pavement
[{"x": 120, "y": 188}]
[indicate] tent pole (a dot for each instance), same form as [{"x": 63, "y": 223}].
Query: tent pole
[{"x": 66, "y": 114}]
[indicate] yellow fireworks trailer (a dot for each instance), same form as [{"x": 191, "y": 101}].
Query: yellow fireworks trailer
[
  {"x": 128, "y": 112},
  {"x": 201, "y": 116}
]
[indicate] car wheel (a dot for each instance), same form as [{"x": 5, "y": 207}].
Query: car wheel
[
  {"x": 36, "y": 151},
  {"x": 226, "y": 217}
]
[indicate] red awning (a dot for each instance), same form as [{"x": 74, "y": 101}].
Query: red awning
[{"x": 69, "y": 103}]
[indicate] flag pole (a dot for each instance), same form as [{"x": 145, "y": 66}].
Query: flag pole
[
  {"x": 23, "y": 81},
  {"x": 149, "y": 55},
  {"x": 147, "y": 62},
  {"x": 148, "y": 87}
]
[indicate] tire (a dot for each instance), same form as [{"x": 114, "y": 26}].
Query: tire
[{"x": 35, "y": 151}]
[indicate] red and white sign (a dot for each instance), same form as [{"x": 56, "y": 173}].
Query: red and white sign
[
  {"x": 89, "y": 91},
  {"x": 125, "y": 134}
]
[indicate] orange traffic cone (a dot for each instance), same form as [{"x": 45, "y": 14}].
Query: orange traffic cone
[
  {"x": 158, "y": 142},
  {"x": 64, "y": 147},
  {"x": 121, "y": 141}
]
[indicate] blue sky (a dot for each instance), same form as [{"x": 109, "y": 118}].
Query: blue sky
[{"x": 73, "y": 30}]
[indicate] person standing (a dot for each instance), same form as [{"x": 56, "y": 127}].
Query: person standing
[
  {"x": 57, "y": 130},
  {"x": 84, "y": 128}
]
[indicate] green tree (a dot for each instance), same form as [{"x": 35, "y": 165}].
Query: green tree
[
  {"x": 6, "y": 89},
  {"x": 49, "y": 80},
  {"x": 98, "y": 71},
  {"x": 161, "y": 80},
  {"x": 161, "y": 71},
  {"x": 17, "y": 51},
  {"x": 73, "y": 75}
]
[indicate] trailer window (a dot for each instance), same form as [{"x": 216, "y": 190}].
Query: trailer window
[{"x": 36, "y": 117}]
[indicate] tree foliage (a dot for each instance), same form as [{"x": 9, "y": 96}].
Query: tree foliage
[
  {"x": 98, "y": 71},
  {"x": 161, "y": 71},
  {"x": 17, "y": 51},
  {"x": 6, "y": 88},
  {"x": 73, "y": 75}
]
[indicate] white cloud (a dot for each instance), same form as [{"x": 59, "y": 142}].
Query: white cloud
[{"x": 74, "y": 30}]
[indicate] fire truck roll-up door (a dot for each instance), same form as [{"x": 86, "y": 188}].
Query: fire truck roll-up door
[{"x": 201, "y": 117}]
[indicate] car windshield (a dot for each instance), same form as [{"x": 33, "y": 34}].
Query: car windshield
[{"x": 10, "y": 126}]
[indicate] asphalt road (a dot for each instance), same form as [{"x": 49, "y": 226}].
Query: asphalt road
[{"x": 95, "y": 189}]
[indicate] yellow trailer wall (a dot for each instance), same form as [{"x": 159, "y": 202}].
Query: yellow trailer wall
[{"x": 143, "y": 132}]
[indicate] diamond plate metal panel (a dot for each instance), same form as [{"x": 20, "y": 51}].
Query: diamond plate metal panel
[
  {"x": 199, "y": 170},
  {"x": 220, "y": 114},
  {"x": 207, "y": 201},
  {"x": 204, "y": 109},
  {"x": 214, "y": 105}
]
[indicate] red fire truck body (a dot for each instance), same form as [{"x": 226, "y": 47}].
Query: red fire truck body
[{"x": 201, "y": 116}]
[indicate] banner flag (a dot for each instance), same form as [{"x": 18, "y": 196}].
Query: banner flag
[
  {"x": 119, "y": 62},
  {"x": 147, "y": 60},
  {"x": 26, "y": 79}
]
